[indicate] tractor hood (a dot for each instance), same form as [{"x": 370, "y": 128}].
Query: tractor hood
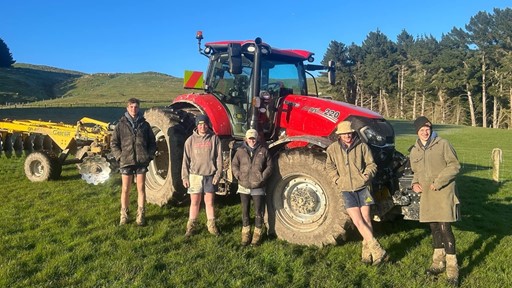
[{"x": 322, "y": 115}]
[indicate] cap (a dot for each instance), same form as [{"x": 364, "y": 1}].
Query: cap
[
  {"x": 251, "y": 133},
  {"x": 202, "y": 119},
  {"x": 344, "y": 127},
  {"x": 420, "y": 122}
]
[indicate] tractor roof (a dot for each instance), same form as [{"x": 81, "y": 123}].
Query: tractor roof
[{"x": 221, "y": 46}]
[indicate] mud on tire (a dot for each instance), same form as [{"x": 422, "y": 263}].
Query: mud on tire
[
  {"x": 163, "y": 178},
  {"x": 303, "y": 206},
  {"x": 42, "y": 166}
]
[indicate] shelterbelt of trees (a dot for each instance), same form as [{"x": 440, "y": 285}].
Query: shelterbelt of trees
[{"x": 464, "y": 78}]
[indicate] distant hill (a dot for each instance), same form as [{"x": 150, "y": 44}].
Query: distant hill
[{"x": 25, "y": 83}]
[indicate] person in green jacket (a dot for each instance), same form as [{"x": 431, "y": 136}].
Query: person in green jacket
[
  {"x": 435, "y": 165},
  {"x": 350, "y": 163}
]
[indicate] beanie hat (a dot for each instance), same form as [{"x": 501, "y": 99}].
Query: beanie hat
[
  {"x": 202, "y": 119},
  {"x": 420, "y": 122}
]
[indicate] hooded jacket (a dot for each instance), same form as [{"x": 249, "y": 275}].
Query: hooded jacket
[
  {"x": 202, "y": 156},
  {"x": 252, "y": 167},
  {"x": 436, "y": 164},
  {"x": 133, "y": 141},
  {"x": 351, "y": 169}
]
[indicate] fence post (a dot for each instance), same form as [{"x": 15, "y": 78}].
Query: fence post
[{"x": 496, "y": 160}]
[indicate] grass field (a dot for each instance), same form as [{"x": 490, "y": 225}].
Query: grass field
[{"x": 65, "y": 234}]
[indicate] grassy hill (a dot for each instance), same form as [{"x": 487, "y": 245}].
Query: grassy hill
[{"x": 43, "y": 85}]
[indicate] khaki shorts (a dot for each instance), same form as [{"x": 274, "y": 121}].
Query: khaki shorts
[{"x": 201, "y": 184}]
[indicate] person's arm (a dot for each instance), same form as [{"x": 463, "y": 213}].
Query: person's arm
[
  {"x": 185, "y": 164},
  {"x": 218, "y": 161},
  {"x": 452, "y": 168},
  {"x": 269, "y": 165}
]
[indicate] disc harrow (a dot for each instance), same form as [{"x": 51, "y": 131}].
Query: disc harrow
[{"x": 47, "y": 146}]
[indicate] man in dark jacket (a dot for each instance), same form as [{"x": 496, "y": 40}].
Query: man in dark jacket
[
  {"x": 133, "y": 145},
  {"x": 252, "y": 166}
]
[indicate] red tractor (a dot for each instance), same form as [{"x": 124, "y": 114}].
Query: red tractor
[{"x": 250, "y": 84}]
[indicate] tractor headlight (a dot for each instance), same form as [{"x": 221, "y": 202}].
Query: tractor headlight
[{"x": 372, "y": 137}]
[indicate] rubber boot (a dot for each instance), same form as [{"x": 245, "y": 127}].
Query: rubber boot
[
  {"x": 366, "y": 255},
  {"x": 452, "y": 270},
  {"x": 256, "y": 236},
  {"x": 438, "y": 262},
  {"x": 191, "y": 225},
  {"x": 246, "y": 235},
  {"x": 212, "y": 227},
  {"x": 141, "y": 216},
  {"x": 379, "y": 255},
  {"x": 124, "y": 216}
]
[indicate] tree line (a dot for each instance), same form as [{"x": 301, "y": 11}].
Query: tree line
[{"x": 465, "y": 78}]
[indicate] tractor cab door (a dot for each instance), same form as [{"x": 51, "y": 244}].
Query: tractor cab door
[{"x": 232, "y": 91}]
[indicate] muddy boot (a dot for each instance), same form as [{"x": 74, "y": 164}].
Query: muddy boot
[
  {"x": 366, "y": 255},
  {"x": 124, "y": 216},
  {"x": 438, "y": 262},
  {"x": 191, "y": 225},
  {"x": 256, "y": 236},
  {"x": 212, "y": 227},
  {"x": 379, "y": 255},
  {"x": 452, "y": 270},
  {"x": 246, "y": 235},
  {"x": 141, "y": 213}
]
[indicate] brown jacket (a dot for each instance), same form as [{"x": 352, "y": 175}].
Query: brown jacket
[
  {"x": 436, "y": 164},
  {"x": 351, "y": 169},
  {"x": 252, "y": 172}
]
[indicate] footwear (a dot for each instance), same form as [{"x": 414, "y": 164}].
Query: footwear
[
  {"x": 438, "y": 262},
  {"x": 191, "y": 225},
  {"x": 452, "y": 270},
  {"x": 256, "y": 236},
  {"x": 246, "y": 235},
  {"x": 124, "y": 216},
  {"x": 379, "y": 255},
  {"x": 212, "y": 227},
  {"x": 366, "y": 255},
  {"x": 141, "y": 220}
]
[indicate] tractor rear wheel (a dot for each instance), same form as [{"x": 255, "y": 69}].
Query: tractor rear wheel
[
  {"x": 163, "y": 178},
  {"x": 302, "y": 204},
  {"x": 42, "y": 166}
]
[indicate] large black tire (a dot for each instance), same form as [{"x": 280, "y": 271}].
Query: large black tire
[
  {"x": 303, "y": 206},
  {"x": 42, "y": 166},
  {"x": 163, "y": 180}
]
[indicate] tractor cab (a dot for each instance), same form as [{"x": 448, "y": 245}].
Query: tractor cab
[{"x": 250, "y": 79}]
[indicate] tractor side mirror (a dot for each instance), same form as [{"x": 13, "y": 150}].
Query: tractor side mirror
[
  {"x": 331, "y": 73},
  {"x": 235, "y": 58}
]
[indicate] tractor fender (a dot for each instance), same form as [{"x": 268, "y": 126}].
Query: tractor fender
[
  {"x": 208, "y": 105},
  {"x": 301, "y": 141}
]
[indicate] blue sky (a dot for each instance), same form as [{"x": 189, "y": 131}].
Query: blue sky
[{"x": 126, "y": 36}]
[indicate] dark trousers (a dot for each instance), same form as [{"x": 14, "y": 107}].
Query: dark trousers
[
  {"x": 259, "y": 209},
  {"x": 443, "y": 237}
]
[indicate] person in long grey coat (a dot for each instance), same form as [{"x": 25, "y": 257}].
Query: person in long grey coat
[{"x": 435, "y": 166}]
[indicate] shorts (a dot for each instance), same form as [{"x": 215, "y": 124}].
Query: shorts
[
  {"x": 201, "y": 184},
  {"x": 133, "y": 169},
  {"x": 358, "y": 198}
]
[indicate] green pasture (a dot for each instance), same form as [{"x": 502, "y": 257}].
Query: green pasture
[{"x": 65, "y": 234}]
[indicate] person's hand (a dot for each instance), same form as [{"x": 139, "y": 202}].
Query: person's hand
[
  {"x": 432, "y": 187},
  {"x": 215, "y": 181},
  {"x": 186, "y": 184},
  {"x": 416, "y": 187}
]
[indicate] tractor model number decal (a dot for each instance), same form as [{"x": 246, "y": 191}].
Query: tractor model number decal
[{"x": 331, "y": 115}]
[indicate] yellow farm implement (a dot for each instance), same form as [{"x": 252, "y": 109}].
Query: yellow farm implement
[{"x": 48, "y": 144}]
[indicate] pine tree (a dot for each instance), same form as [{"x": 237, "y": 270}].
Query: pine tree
[{"x": 5, "y": 55}]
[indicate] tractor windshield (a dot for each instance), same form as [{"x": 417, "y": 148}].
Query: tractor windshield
[{"x": 278, "y": 77}]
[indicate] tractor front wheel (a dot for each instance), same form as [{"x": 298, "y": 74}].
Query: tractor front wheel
[{"x": 303, "y": 205}]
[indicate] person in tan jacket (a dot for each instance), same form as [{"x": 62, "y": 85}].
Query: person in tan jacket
[
  {"x": 435, "y": 165},
  {"x": 350, "y": 163}
]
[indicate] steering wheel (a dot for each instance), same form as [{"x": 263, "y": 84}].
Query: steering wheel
[{"x": 272, "y": 86}]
